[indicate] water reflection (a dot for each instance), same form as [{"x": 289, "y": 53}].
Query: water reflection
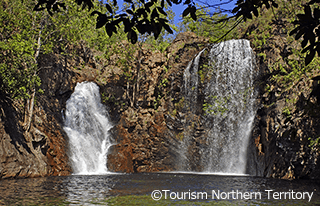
[
  {"x": 80, "y": 189},
  {"x": 84, "y": 190}
]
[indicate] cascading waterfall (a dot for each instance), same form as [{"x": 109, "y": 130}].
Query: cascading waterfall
[
  {"x": 191, "y": 85},
  {"x": 229, "y": 105},
  {"x": 190, "y": 77},
  {"x": 87, "y": 125}
]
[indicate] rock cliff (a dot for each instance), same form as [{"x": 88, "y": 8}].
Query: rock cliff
[
  {"x": 42, "y": 149},
  {"x": 147, "y": 106},
  {"x": 283, "y": 143}
]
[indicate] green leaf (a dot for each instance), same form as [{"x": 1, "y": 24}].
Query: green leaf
[
  {"x": 304, "y": 42},
  {"x": 161, "y": 11},
  {"x": 186, "y": 12},
  {"x": 129, "y": 11},
  {"x": 294, "y": 31},
  {"x": 169, "y": 2},
  {"x": 148, "y": 5},
  {"x": 193, "y": 11},
  {"x": 101, "y": 20},
  {"x": 300, "y": 33},
  {"x": 110, "y": 29},
  {"x": 162, "y": 3},
  {"x": 167, "y": 27},
  {"x": 310, "y": 57},
  {"x": 154, "y": 13},
  {"x": 307, "y": 11},
  {"x": 109, "y": 8},
  {"x": 134, "y": 37},
  {"x": 236, "y": 9},
  {"x": 306, "y": 49}
]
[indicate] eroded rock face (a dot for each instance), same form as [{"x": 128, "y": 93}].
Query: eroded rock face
[
  {"x": 144, "y": 139},
  {"x": 280, "y": 145},
  {"x": 143, "y": 144},
  {"x": 288, "y": 118},
  {"x": 42, "y": 149},
  {"x": 151, "y": 119}
]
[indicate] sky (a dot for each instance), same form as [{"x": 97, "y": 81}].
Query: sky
[{"x": 178, "y": 9}]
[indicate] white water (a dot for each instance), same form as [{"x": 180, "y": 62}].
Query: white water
[
  {"x": 230, "y": 98},
  {"x": 87, "y": 126},
  {"x": 231, "y": 95}
]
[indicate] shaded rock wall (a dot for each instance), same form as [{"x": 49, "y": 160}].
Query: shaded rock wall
[
  {"x": 41, "y": 150},
  {"x": 288, "y": 118},
  {"x": 145, "y": 139},
  {"x": 151, "y": 117}
]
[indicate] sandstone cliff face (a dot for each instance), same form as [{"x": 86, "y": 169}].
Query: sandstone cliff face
[
  {"x": 149, "y": 111},
  {"x": 146, "y": 139},
  {"x": 288, "y": 119},
  {"x": 41, "y": 150},
  {"x": 143, "y": 142},
  {"x": 282, "y": 139}
]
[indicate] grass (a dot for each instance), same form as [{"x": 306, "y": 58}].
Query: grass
[
  {"x": 147, "y": 200},
  {"x": 140, "y": 200}
]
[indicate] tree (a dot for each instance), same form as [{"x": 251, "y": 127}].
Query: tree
[
  {"x": 25, "y": 35},
  {"x": 307, "y": 24},
  {"x": 148, "y": 16},
  {"x": 140, "y": 18},
  {"x": 308, "y": 28},
  {"x": 214, "y": 26},
  {"x": 20, "y": 43}
]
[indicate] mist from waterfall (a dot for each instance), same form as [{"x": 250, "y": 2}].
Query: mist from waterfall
[
  {"x": 87, "y": 126},
  {"x": 229, "y": 105}
]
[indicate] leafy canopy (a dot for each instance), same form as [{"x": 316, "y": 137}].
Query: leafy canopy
[{"x": 144, "y": 17}]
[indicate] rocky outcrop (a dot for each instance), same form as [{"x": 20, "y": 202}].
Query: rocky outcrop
[
  {"x": 144, "y": 139},
  {"x": 148, "y": 107},
  {"x": 284, "y": 139},
  {"x": 144, "y": 144},
  {"x": 39, "y": 151},
  {"x": 138, "y": 100},
  {"x": 42, "y": 149}
]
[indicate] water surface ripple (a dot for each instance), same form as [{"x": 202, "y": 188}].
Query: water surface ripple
[{"x": 84, "y": 189}]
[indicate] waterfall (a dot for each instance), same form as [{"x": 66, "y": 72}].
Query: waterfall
[
  {"x": 190, "y": 77},
  {"x": 86, "y": 124},
  {"x": 229, "y": 105}
]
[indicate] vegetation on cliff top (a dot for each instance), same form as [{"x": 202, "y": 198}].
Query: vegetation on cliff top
[
  {"x": 291, "y": 76},
  {"x": 150, "y": 17},
  {"x": 27, "y": 34}
]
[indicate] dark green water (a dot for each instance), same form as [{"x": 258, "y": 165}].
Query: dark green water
[{"x": 96, "y": 189}]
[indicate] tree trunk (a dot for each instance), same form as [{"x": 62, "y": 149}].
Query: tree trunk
[{"x": 30, "y": 102}]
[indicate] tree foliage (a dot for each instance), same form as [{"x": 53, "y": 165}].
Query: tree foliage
[
  {"x": 214, "y": 26},
  {"x": 144, "y": 17},
  {"x": 308, "y": 29},
  {"x": 17, "y": 49},
  {"x": 245, "y": 8},
  {"x": 307, "y": 23}
]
